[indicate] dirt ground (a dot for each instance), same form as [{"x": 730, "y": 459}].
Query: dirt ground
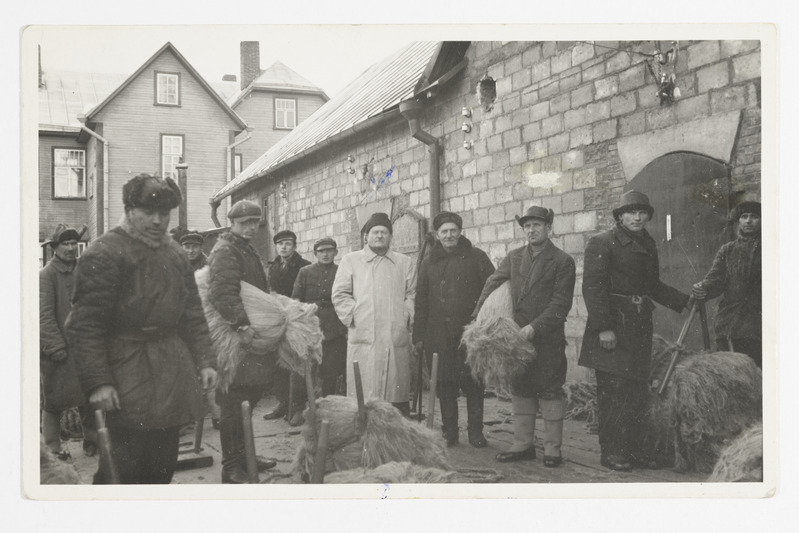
[{"x": 277, "y": 440}]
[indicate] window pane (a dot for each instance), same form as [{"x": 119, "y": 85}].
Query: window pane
[
  {"x": 167, "y": 90},
  {"x": 69, "y": 173}
]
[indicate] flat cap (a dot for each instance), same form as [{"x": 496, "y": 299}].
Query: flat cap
[
  {"x": 542, "y": 213},
  {"x": 192, "y": 237},
  {"x": 324, "y": 243},
  {"x": 151, "y": 192},
  {"x": 444, "y": 217},
  {"x": 284, "y": 235},
  {"x": 246, "y": 209}
]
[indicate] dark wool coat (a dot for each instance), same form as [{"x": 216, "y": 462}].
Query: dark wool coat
[
  {"x": 447, "y": 289},
  {"x": 542, "y": 292},
  {"x": 200, "y": 262},
  {"x": 123, "y": 285},
  {"x": 736, "y": 274},
  {"x": 616, "y": 263},
  {"x": 60, "y": 383},
  {"x": 314, "y": 285},
  {"x": 281, "y": 280}
]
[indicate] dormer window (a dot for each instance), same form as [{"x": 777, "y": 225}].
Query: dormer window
[
  {"x": 285, "y": 113},
  {"x": 167, "y": 88}
]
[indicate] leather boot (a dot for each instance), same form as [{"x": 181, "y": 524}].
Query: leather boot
[
  {"x": 524, "y": 411},
  {"x": 553, "y": 412},
  {"x": 234, "y": 474},
  {"x": 449, "y": 419},
  {"x": 474, "y": 411},
  {"x": 278, "y": 412}
]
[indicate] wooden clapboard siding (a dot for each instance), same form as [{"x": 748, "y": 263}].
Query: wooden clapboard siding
[
  {"x": 52, "y": 212},
  {"x": 133, "y": 126}
]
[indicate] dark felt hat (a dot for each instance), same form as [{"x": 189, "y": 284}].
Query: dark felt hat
[
  {"x": 748, "y": 206},
  {"x": 151, "y": 192},
  {"x": 246, "y": 209},
  {"x": 64, "y": 233},
  {"x": 284, "y": 235},
  {"x": 192, "y": 237},
  {"x": 444, "y": 217},
  {"x": 323, "y": 243},
  {"x": 378, "y": 219},
  {"x": 633, "y": 200},
  {"x": 547, "y": 215}
]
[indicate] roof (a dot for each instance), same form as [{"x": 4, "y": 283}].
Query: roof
[
  {"x": 171, "y": 48},
  {"x": 66, "y": 95},
  {"x": 279, "y": 77},
  {"x": 380, "y": 88}
]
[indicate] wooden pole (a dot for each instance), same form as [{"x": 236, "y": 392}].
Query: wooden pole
[
  {"x": 386, "y": 367},
  {"x": 318, "y": 474},
  {"x": 309, "y": 389},
  {"x": 703, "y": 321},
  {"x": 104, "y": 443},
  {"x": 359, "y": 395},
  {"x": 183, "y": 215},
  {"x": 676, "y": 350},
  {"x": 249, "y": 443},
  {"x": 431, "y": 405},
  {"x": 290, "y": 412},
  {"x": 198, "y": 434}
]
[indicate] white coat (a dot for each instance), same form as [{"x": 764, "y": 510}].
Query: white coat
[{"x": 373, "y": 296}]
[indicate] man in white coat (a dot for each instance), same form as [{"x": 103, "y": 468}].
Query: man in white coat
[{"x": 373, "y": 295}]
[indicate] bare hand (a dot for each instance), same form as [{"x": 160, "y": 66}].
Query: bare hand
[
  {"x": 698, "y": 291},
  {"x": 245, "y": 337},
  {"x": 528, "y": 332},
  {"x": 105, "y": 397},
  {"x": 607, "y": 339},
  {"x": 208, "y": 378},
  {"x": 418, "y": 347},
  {"x": 58, "y": 356}
]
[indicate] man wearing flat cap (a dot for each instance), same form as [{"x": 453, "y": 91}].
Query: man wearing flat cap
[
  {"x": 449, "y": 283},
  {"x": 373, "y": 295},
  {"x": 233, "y": 260},
  {"x": 736, "y": 276},
  {"x": 138, "y": 334},
  {"x": 620, "y": 282},
  {"x": 192, "y": 244},
  {"x": 60, "y": 385},
  {"x": 281, "y": 274},
  {"x": 314, "y": 284},
  {"x": 542, "y": 287}
]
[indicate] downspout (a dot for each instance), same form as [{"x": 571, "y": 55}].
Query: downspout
[
  {"x": 412, "y": 111},
  {"x": 104, "y": 210},
  {"x": 229, "y": 151}
]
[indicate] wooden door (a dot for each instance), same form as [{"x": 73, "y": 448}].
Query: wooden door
[{"x": 691, "y": 196}]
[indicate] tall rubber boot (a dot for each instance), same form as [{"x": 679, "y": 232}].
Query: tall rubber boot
[
  {"x": 524, "y": 412},
  {"x": 474, "y": 410},
  {"x": 553, "y": 412},
  {"x": 51, "y": 431},
  {"x": 231, "y": 440},
  {"x": 449, "y": 419}
]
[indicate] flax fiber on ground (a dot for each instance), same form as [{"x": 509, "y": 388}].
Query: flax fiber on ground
[
  {"x": 495, "y": 350},
  {"x": 406, "y": 472},
  {"x": 742, "y": 460}
]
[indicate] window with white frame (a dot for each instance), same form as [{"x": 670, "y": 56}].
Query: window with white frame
[
  {"x": 285, "y": 113},
  {"x": 69, "y": 173},
  {"x": 167, "y": 88},
  {"x": 171, "y": 152}
]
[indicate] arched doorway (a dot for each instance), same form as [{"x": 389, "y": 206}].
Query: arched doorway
[{"x": 691, "y": 196}]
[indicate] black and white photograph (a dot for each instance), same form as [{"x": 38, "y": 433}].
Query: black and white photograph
[{"x": 403, "y": 262}]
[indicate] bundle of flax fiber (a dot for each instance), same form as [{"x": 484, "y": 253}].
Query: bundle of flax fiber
[
  {"x": 581, "y": 403},
  {"x": 282, "y": 325},
  {"x": 406, "y": 472},
  {"x": 53, "y": 471},
  {"x": 386, "y": 437},
  {"x": 495, "y": 350},
  {"x": 709, "y": 400},
  {"x": 742, "y": 460}
]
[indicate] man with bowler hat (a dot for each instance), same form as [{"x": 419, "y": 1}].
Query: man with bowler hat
[
  {"x": 314, "y": 284},
  {"x": 542, "y": 287},
  {"x": 139, "y": 336},
  {"x": 449, "y": 283},
  {"x": 620, "y": 282},
  {"x": 736, "y": 276}
]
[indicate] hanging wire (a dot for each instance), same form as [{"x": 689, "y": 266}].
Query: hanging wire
[{"x": 617, "y": 49}]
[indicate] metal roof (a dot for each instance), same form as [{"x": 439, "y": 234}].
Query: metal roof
[
  {"x": 278, "y": 77},
  {"x": 381, "y": 87},
  {"x": 66, "y": 95}
]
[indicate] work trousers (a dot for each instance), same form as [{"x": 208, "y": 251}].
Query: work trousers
[
  {"x": 622, "y": 405},
  {"x": 141, "y": 456},
  {"x": 231, "y": 422},
  {"x": 334, "y": 366},
  {"x": 448, "y": 391},
  {"x": 282, "y": 380}
]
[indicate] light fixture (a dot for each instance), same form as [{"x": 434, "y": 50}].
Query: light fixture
[
  {"x": 466, "y": 127},
  {"x": 468, "y": 144},
  {"x": 284, "y": 193},
  {"x": 466, "y": 111}
]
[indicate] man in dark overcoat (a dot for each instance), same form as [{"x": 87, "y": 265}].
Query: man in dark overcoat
[
  {"x": 620, "y": 281},
  {"x": 542, "y": 287},
  {"x": 448, "y": 286},
  {"x": 59, "y": 377},
  {"x": 281, "y": 275},
  {"x": 139, "y": 337},
  {"x": 233, "y": 260},
  {"x": 736, "y": 275},
  {"x": 314, "y": 284}
]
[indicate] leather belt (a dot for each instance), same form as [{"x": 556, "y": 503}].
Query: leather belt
[
  {"x": 145, "y": 334},
  {"x": 636, "y": 300}
]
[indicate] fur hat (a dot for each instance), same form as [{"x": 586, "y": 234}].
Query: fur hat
[
  {"x": 151, "y": 192},
  {"x": 547, "y": 215},
  {"x": 444, "y": 217},
  {"x": 378, "y": 219},
  {"x": 633, "y": 200},
  {"x": 748, "y": 206}
]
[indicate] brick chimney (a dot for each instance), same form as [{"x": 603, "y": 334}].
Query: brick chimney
[{"x": 250, "y": 62}]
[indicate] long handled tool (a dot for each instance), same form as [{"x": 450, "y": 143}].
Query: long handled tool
[
  {"x": 309, "y": 389},
  {"x": 191, "y": 457},
  {"x": 676, "y": 350},
  {"x": 703, "y": 320},
  {"x": 104, "y": 443},
  {"x": 359, "y": 396},
  {"x": 417, "y": 396},
  {"x": 431, "y": 405},
  {"x": 386, "y": 368},
  {"x": 318, "y": 473},
  {"x": 249, "y": 443}
]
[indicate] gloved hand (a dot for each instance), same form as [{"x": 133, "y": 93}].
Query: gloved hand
[
  {"x": 208, "y": 378},
  {"x": 58, "y": 356}
]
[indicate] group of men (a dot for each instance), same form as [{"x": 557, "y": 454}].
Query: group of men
[{"x": 138, "y": 345}]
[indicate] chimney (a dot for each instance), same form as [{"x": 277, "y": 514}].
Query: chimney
[
  {"x": 41, "y": 80},
  {"x": 229, "y": 77},
  {"x": 250, "y": 62}
]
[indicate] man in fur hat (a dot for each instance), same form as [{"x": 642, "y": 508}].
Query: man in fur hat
[
  {"x": 281, "y": 275},
  {"x": 233, "y": 260},
  {"x": 138, "y": 334},
  {"x": 736, "y": 276},
  {"x": 542, "y": 287},
  {"x": 373, "y": 295},
  {"x": 60, "y": 386},
  {"x": 620, "y": 281},
  {"x": 449, "y": 283}
]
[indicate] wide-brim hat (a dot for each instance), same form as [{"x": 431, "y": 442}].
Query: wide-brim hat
[
  {"x": 445, "y": 217},
  {"x": 378, "y": 219},
  {"x": 536, "y": 211},
  {"x": 245, "y": 209},
  {"x": 151, "y": 192},
  {"x": 284, "y": 235},
  {"x": 324, "y": 244},
  {"x": 64, "y": 233},
  {"x": 633, "y": 200}
]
